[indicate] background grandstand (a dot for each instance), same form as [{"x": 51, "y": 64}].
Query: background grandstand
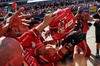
[{"x": 39, "y": 7}]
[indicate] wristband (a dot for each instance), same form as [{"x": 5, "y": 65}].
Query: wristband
[{"x": 68, "y": 46}]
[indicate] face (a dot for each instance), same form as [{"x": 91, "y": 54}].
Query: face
[
  {"x": 22, "y": 29},
  {"x": 58, "y": 32}
]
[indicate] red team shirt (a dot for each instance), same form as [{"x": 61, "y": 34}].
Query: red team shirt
[
  {"x": 31, "y": 48},
  {"x": 85, "y": 25},
  {"x": 31, "y": 45}
]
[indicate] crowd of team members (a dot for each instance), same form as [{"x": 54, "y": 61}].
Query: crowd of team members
[
  {"x": 15, "y": 27},
  {"x": 21, "y": 41}
]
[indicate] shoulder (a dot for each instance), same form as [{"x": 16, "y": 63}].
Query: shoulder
[{"x": 86, "y": 13}]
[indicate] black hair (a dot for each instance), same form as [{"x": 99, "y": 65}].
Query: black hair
[
  {"x": 32, "y": 23},
  {"x": 37, "y": 18}
]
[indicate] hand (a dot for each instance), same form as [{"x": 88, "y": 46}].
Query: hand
[
  {"x": 48, "y": 18},
  {"x": 78, "y": 56},
  {"x": 16, "y": 19},
  {"x": 50, "y": 51},
  {"x": 73, "y": 40}
]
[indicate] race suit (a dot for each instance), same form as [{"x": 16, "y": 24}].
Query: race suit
[
  {"x": 31, "y": 61},
  {"x": 26, "y": 41},
  {"x": 44, "y": 59}
]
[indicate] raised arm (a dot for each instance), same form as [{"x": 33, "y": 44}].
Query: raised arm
[
  {"x": 47, "y": 20},
  {"x": 15, "y": 20}
]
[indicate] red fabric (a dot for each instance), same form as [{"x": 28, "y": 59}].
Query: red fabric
[
  {"x": 14, "y": 5},
  {"x": 85, "y": 48},
  {"x": 34, "y": 47},
  {"x": 85, "y": 25},
  {"x": 25, "y": 40},
  {"x": 48, "y": 58},
  {"x": 83, "y": 45},
  {"x": 38, "y": 44},
  {"x": 50, "y": 64},
  {"x": 29, "y": 60}
]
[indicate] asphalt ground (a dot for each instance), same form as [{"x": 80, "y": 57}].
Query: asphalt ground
[{"x": 92, "y": 44}]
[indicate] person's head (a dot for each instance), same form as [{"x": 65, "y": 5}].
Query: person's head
[
  {"x": 16, "y": 31},
  {"x": 98, "y": 11},
  {"x": 10, "y": 52},
  {"x": 63, "y": 24},
  {"x": 38, "y": 19},
  {"x": 33, "y": 23},
  {"x": 80, "y": 10}
]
